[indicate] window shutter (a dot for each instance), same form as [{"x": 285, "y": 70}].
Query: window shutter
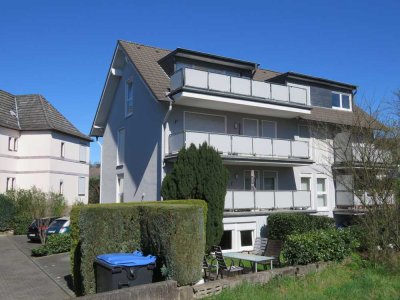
[{"x": 81, "y": 186}]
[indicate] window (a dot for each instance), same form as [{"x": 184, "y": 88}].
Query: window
[
  {"x": 61, "y": 187},
  {"x": 12, "y": 144},
  {"x": 128, "y": 98},
  {"x": 304, "y": 131},
  {"x": 269, "y": 180},
  {"x": 204, "y": 122},
  {"x": 121, "y": 147},
  {"x": 250, "y": 177},
  {"x": 81, "y": 186},
  {"x": 10, "y": 185},
  {"x": 250, "y": 127},
  {"x": 341, "y": 101},
  {"x": 268, "y": 129},
  {"x": 322, "y": 197},
  {"x": 226, "y": 240},
  {"x": 120, "y": 189},
  {"x": 246, "y": 238},
  {"x": 82, "y": 153},
  {"x": 62, "y": 150},
  {"x": 305, "y": 183}
]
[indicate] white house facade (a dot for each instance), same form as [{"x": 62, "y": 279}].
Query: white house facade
[
  {"x": 40, "y": 147},
  {"x": 156, "y": 101}
]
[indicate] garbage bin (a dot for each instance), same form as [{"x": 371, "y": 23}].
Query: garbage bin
[{"x": 118, "y": 270}]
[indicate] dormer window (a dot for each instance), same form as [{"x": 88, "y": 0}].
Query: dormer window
[{"x": 341, "y": 101}]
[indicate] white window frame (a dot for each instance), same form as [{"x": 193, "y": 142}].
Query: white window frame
[
  {"x": 62, "y": 150},
  {"x": 341, "y": 103},
  {"x": 82, "y": 153},
  {"x": 61, "y": 187},
  {"x": 326, "y": 192},
  {"x": 251, "y": 226},
  {"x": 200, "y": 113},
  {"x": 119, "y": 193},
  {"x": 258, "y": 131},
  {"x": 276, "y": 179},
  {"x": 81, "y": 186},
  {"x": 276, "y": 128},
  {"x": 128, "y": 82},
  {"x": 121, "y": 156},
  {"x": 10, "y": 184},
  {"x": 12, "y": 144}
]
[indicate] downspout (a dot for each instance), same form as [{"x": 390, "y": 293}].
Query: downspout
[
  {"x": 101, "y": 166},
  {"x": 171, "y": 101}
]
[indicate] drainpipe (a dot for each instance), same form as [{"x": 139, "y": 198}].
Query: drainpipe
[
  {"x": 101, "y": 166},
  {"x": 171, "y": 101}
]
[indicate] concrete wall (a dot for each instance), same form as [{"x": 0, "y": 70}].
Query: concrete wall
[
  {"x": 143, "y": 143},
  {"x": 38, "y": 162}
]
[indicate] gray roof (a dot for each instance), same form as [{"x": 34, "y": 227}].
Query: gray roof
[
  {"x": 34, "y": 112},
  {"x": 146, "y": 58}
]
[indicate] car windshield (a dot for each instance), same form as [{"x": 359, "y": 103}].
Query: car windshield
[{"x": 57, "y": 224}]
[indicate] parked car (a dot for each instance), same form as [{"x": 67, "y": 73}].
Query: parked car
[
  {"x": 33, "y": 230},
  {"x": 59, "y": 226}
]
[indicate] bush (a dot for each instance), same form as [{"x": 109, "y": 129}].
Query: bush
[
  {"x": 318, "y": 245},
  {"x": 173, "y": 232},
  {"x": 284, "y": 224},
  {"x": 34, "y": 204},
  {"x": 7, "y": 210},
  {"x": 200, "y": 174},
  {"x": 56, "y": 243}
]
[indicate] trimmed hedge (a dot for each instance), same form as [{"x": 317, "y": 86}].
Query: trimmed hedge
[
  {"x": 280, "y": 226},
  {"x": 56, "y": 243},
  {"x": 320, "y": 245},
  {"x": 7, "y": 210},
  {"x": 173, "y": 232}
]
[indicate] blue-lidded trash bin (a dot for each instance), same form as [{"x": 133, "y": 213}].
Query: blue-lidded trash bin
[{"x": 118, "y": 270}]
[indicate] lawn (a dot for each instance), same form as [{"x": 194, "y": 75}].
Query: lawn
[{"x": 354, "y": 279}]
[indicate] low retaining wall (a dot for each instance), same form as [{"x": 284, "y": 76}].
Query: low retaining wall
[{"x": 168, "y": 289}]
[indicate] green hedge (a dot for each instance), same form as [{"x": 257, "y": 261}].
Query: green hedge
[
  {"x": 56, "y": 243},
  {"x": 282, "y": 225},
  {"x": 7, "y": 210},
  {"x": 173, "y": 232},
  {"x": 320, "y": 245}
]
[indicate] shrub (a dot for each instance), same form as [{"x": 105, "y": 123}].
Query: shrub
[
  {"x": 200, "y": 174},
  {"x": 173, "y": 232},
  {"x": 34, "y": 204},
  {"x": 7, "y": 210},
  {"x": 284, "y": 224},
  {"x": 318, "y": 245},
  {"x": 56, "y": 243},
  {"x": 94, "y": 190}
]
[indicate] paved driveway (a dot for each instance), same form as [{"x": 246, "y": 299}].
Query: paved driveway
[{"x": 23, "y": 277}]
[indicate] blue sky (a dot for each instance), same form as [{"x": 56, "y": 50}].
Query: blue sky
[{"x": 62, "y": 49}]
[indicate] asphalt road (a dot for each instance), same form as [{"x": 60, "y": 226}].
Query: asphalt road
[{"x": 25, "y": 277}]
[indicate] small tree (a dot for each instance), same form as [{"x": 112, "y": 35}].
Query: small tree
[
  {"x": 200, "y": 174},
  {"x": 94, "y": 190},
  {"x": 366, "y": 162}
]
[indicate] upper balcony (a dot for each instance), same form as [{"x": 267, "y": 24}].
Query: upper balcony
[
  {"x": 203, "y": 89},
  {"x": 239, "y": 149}
]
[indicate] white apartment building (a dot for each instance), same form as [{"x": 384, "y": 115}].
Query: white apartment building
[
  {"x": 40, "y": 147},
  {"x": 156, "y": 101}
]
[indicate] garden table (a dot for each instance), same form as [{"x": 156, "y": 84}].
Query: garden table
[{"x": 250, "y": 257}]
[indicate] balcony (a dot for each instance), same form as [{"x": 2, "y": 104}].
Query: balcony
[
  {"x": 233, "y": 147},
  {"x": 267, "y": 200},
  {"x": 217, "y": 91},
  {"x": 347, "y": 199}
]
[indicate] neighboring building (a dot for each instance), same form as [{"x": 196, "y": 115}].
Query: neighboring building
[
  {"x": 156, "y": 101},
  {"x": 40, "y": 147}
]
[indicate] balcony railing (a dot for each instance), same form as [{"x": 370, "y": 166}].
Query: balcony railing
[
  {"x": 241, "y": 145},
  {"x": 346, "y": 199},
  {"x": 267, "y": 200},
  {"x": 260, "y": 90}
]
